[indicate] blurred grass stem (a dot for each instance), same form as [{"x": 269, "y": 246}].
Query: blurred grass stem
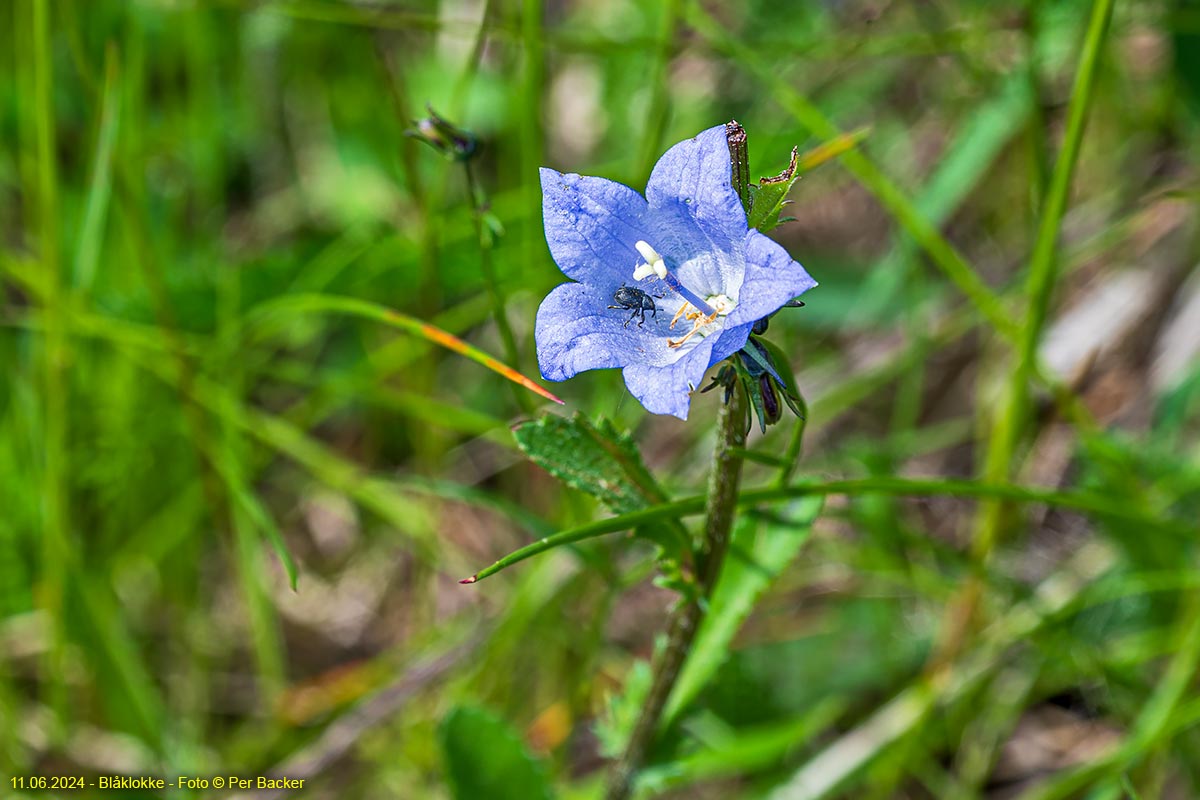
[
  {"x": 55, "y": 508},
  {"x": 1010, "y": 420},
  {"x": 479, "y": 207}
]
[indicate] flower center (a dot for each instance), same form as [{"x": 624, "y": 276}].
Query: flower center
[
  {"x": 655, "y": 265},
  {"x": 702, "y": 313},
  {"x": 702, "y": 323}
]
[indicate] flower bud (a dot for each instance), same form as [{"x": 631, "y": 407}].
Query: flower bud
[
  {"x": 771, "y": 406},
  {"x": 451, "y": 141}
]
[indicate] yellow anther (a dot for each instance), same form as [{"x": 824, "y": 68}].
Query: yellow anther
[
  {"x": 682, "y": 309},
  {"x": 698, "y": 321}
]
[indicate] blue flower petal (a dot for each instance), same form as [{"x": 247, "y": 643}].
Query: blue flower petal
[
  {"x": 576, "y": 331},
  {"x": 592, "y": 225},
  {"x": 694, "y": 177},
  {"x": 666, "y": 389},
  {"x": 706, "y": 260},
  {"x": 732, "y": 339},
  {"x": 772, "y": 278}
]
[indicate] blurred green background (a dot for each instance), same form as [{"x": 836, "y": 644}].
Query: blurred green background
[{"x": 172, "y": 433}]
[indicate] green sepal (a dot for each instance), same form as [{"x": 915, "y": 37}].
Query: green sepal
[
  {"x": 760, "y": 362},
  {"x": 750, "y": 382},
  {"x": 790, "y": 389},
  {"x": 770, "y": 195}
]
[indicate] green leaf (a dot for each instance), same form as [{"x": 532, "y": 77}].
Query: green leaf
[
  {"x": 597, "y": 459},
  {"x": 485, "y": 757},
  {"x": 606, "y": 463},
  {"x": 770, "y": 196},
  {"x": 87, "y": 254},
  {"x": 754, "y": 562}
]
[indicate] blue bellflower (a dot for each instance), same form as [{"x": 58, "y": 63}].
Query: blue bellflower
[{"x": 706, "y": 276}]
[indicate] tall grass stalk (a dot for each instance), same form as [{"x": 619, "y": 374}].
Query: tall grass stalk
[
  {"x": 1010, "y": 420},
  {"x": 56, "y": 517}
]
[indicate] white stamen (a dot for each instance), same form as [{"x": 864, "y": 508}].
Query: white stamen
[{"x": 644, "y": 271}]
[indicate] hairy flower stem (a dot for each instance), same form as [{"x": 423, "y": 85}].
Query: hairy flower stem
[{"x": 723, "y": 481}]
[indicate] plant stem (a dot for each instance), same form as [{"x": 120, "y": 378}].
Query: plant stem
[{"x": 723, "y": 481}]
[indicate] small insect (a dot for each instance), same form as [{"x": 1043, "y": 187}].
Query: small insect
[{"x": 632, "y": 298}]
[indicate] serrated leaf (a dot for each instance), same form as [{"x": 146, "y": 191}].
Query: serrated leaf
[
  {"x": 605, "y": 463},
  {"x": 485, "y": 757},
  {"x": 597, "y": 459},
  {"x": 758, "y": 553}
]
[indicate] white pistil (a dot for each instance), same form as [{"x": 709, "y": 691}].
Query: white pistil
[
  {"x": 643, "y": 271},
  {"x": 654, "y": 262},
  {"x": 701, "y": 313}
]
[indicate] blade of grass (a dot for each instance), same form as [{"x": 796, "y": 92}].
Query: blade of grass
[
  {"x": 425, "y": 410},
  {"x": 532, "y": 86},
  {"x": 758, "y": 748},
  {"x": 248, "y": 517},
  {"x": 745, "y": 577},
  {"x": 1043, "y": 273},
  {"x": 95, "y": 215},
  {"x": 1077, "y": 500},
  {"x": 376, "y": 494},
  {"x": 982, "y": 139},
  {"x": 1152, "y": 724},
  {"x": 585, "y": 40},
  {"x": 390, "y": 359},
  {"x": 839, "y": 764},
  {"x": 659, "y": 107},
  {"x": 56, "y": 518},
  {"x": 278, "y": 310},
  {"x": 1009, "y": 422},
  {"x": 110, "y": 636},
  {"x": 974, "y": 150}
]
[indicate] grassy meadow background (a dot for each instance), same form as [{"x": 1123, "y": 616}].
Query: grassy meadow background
[{"x": 185, "y": 186}]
